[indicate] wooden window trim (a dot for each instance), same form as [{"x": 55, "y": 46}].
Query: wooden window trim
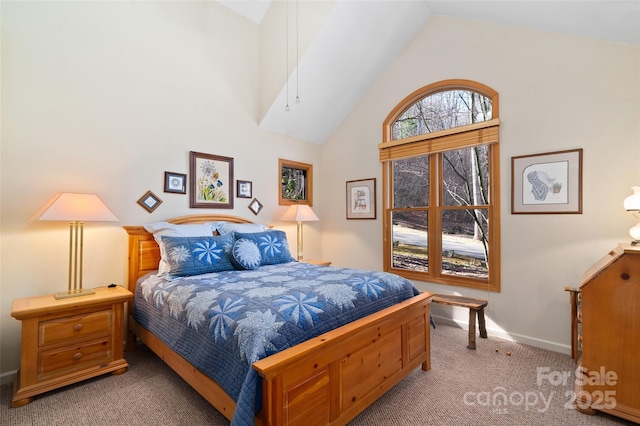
[{"x": 432, "y": 144}]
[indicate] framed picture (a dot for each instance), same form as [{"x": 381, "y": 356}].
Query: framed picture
[
  {"x": 255, "y": 206},
  {"x": 150, "y": 201},
  {"x": 211, "y": 181},
  {"x": 175, "y": 182},
  {"x": 244, "y": 188},
  {"x": 547, "y": 183},
  {"x": 361, "y": 199},
  {"x": 295, "y": 182}
]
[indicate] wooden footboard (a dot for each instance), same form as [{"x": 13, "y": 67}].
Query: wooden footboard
[
  {"x": 332, "y": 378},
  {"x": 329, "y": 379}
]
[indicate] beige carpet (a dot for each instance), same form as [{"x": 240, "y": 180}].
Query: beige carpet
[{"x": 459, "y": 390}]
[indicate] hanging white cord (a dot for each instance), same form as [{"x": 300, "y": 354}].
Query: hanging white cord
[
  {"x": 297, "y": 58},
  {"x": 286, "y": 68}
]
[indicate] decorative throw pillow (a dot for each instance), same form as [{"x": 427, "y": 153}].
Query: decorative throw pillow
[
  {"x": 198, "y": 255},
  {"x": 273, "y": 246},
  {"x": 166, "y": 229},
  {"x": 245, "y": 254},
  {"x": 225, "y": 228}
]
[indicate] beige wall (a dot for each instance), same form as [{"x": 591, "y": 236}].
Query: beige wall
[
  {"x": 106, "y": 97},
  {"x": 556, "y": 93}
]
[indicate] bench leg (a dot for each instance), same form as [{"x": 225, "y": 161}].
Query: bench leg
[
  {"x": 481, "y": 324},
  {"x": 472, "y": 330}
]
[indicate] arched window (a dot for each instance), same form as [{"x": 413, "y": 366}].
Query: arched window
[{"x": 440, "y": 174}]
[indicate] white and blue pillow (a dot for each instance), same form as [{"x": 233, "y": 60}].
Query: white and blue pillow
[
  {"x": 272, "y": 244},
  {"x": 245, "y": 254},
  {"x": 198, "y": 255},
  {"x": 166, "y": 229}
]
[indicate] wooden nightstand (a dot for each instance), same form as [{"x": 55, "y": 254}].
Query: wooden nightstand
[
  {"x": 317, "y": 262},
  {"x": 68, "y": 340}
]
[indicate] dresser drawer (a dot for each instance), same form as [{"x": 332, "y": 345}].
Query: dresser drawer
[
  {"x": 58, "y": 362},
  {"x": 62, "y": 329}
]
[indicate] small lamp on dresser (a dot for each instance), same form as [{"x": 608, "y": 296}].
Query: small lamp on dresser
[
  {"x": 632, "y": 204},
  {"x": 76, "y": 209}
]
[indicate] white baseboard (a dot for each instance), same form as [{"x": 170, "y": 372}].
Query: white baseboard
[
  {"x": 513, "y": 337},
  {"x": 8, "y": 377}
]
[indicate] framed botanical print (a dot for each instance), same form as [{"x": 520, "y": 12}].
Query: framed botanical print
[{"x": 211, "y": 181}]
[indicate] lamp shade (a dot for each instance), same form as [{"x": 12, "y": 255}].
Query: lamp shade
[
  {"x": 299, "y": 213},
  {"x": 632, "y": 202},
  {"x": 68, "y": 206}
]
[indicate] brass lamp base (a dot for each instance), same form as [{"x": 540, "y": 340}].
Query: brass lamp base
[{"x": 74, "y": 293}]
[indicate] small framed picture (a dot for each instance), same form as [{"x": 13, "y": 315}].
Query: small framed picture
[
  {"x": 175, "y": 182},
  {"x": 150, "y": 201},
  {"x": 244, "y": 188},
  {"x": 549, "y": 182},
  {"x": 361, "y": 199},
  {"x": 255, "y": 206}
]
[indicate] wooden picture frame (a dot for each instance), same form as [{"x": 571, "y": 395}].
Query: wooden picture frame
[
  {"x": 361, "y": 199},
  {"x": 547, "y": 183},
  {"x": 149, "y": 201},
  {"x": 211, "y": 181},
  {"x": 295, "y": 181},
  {"x": 255, "y": 206},
  {"x": 244, "y": 189},
  {"x": 175, "y": 182}
]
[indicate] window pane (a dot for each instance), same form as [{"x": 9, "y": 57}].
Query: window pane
[
  {"x": 409, "y": 240},
  {"x": 464, "y": 243},
  {"x": 411, "y": 182},
  {"x": 465, "y": 176},
  {"x": 442, "y": 111}
]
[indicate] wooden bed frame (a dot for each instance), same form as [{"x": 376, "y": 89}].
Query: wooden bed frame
[{"x": 329, "y": 379}]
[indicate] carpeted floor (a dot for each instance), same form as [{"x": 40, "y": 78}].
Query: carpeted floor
[{"x": 463, "y": 388}]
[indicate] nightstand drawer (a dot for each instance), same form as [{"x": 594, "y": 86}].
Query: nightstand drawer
[
  {"x": 59, "y": 362},
  {"x": 62, "y": 329}
]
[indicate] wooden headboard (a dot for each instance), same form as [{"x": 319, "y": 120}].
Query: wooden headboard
[{"x": 144, "y": 253}]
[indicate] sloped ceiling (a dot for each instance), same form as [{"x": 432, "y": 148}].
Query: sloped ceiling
[{"x": 360, "y": 38}]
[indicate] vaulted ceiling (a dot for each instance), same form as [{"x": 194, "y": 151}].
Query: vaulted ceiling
[{"x": 358, "y": 39}]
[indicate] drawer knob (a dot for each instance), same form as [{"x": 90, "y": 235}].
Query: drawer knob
[
  {"x": 77, "y": 327},
  {"x": 77, "y": 356}
]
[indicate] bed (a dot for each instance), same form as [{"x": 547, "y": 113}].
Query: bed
[{"x": 327, "y": 379}]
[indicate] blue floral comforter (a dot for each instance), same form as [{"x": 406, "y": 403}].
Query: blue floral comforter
[{"x": 223, "y": 322}]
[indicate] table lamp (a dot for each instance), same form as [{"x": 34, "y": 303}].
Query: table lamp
[
  {"x": 299, "y": 213},
  {"x": 632, "y": 204},
  {"x": 77, "y": 209}
]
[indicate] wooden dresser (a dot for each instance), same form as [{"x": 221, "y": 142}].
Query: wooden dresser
[
  {"x": 68, "y": 340},
  {"x": 606, "y": 330}
]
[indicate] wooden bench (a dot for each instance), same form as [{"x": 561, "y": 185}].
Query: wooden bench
[{"x": 476, "y": 307}]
